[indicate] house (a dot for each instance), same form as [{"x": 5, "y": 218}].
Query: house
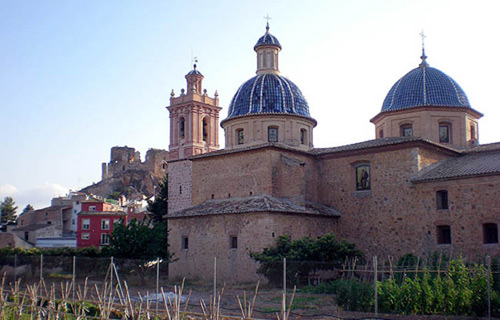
[{"x": 96, "y": 222}]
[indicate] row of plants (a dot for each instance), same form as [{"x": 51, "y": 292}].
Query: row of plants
[{"x": 460, "y": 289}]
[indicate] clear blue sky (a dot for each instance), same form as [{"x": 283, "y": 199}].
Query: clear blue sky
[{"x": 78, "y": 77}]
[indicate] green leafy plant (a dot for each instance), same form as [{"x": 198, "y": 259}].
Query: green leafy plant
[{"x": 305, "y": 256}]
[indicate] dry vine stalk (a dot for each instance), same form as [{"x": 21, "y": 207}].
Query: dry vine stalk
[{"x": 247, "y": 309}]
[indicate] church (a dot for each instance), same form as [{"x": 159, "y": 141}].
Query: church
[{"x": 422, "y": 185}]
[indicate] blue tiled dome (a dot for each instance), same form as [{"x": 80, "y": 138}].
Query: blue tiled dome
[
  {"x": 267, "y": 39},
  {"x": 194, "y": 71},
  {"x": 268, "y": 93},
  {"x": 425, "y": 86}
]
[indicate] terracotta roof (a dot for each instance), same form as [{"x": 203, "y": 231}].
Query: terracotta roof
[
  {"x": 263, "y": 203},
  {"x": 53, "y": 208},
  {"x": 375, "y": 143},
  {"x": 485, "y": 147},
  {"x": 470, "y": 164}
]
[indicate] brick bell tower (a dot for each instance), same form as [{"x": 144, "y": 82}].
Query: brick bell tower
[{"x": 194, "y": 119}]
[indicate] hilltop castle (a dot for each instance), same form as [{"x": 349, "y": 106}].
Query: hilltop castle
[{"x": 422, "y": 185}]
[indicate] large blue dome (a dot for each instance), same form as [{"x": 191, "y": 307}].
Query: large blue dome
[
  {"x": 268, "y": 94},
  {"x": 425, "y": 86}
]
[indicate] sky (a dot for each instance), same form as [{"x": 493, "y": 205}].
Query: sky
[{"x": 79, "y": 77}]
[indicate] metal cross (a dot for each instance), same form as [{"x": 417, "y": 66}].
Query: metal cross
[
  {"x": 267, "y": 18},
  {"x": 423, "y": 38}
]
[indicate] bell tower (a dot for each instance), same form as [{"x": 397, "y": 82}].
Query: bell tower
[{"x": 194, "y": 119}]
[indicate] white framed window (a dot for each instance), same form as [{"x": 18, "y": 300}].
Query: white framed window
[
  {"x": 105, "y": 238},
  {"x": 92, "y": 208},
  {"x": 85, "y": 224},
  {"x": 85, "y": 236},
  {"x": 105, "y": 223}
]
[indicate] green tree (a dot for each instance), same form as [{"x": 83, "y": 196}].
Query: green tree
[
  {"x": 304, "y": 257},
  {"x": 139, "y": 240},
  {"x": 8, "y": 210},
  {"x": 159, "y": 207}
]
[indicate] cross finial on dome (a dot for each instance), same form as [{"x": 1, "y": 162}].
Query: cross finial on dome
[
  {"x": 194, "y": 61},
  {"x": 267, "y": 17},
  {"x": 424, "y": 63}
]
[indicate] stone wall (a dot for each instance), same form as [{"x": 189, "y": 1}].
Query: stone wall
[
  {"x": 180, "y": 185},
  {"x": 255, "y": 172},
  {"x": 210, "y": 236},
  {"x": 472, "y": 203}
]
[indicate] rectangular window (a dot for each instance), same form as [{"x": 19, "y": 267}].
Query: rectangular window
[
  {"x": 490, "y": 233},
  {"x": 233, "y": 242},
  {"x": 444, "y": 132},
  {"x": 442, "y": 200},
  {"x": 92, "y": 208},
  {"x": 241, "y": 136},
  {"x": 105, "y": 238},
  {"x": 443, "y": 234},
  {"x": 85, "y": 236},
  {"x": 272, "y": 134},
  {"x": 185, "y": 243},
  {"x": 407, "y": 130},
  {"x": 85, "y": 224},
  {"x": 105, "y": 224},
  {"x": 303, "y": 136},
  {"x": 363, "y": 179}
]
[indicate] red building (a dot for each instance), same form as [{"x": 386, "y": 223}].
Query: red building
[{"x": 96, "y": 221}]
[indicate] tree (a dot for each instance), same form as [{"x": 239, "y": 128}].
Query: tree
[
  {"x": 305, "y": 256},
  {"x": 8, "y": 210},
  {"x": 28, "y": 208},
  {"x": 139, "y": 240},
  {"x": 159, "y": 207}
]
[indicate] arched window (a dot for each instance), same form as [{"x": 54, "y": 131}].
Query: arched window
[
  {"x": 406, "y": 130},
  {"x": 240, "y": 136},
  {"x": 444, "y": 132},
  {"x": 181, "y": 128},
  {"x": 272, "y": 134},
  {"x": 205, "y": 129},
  {"x": 381, "y": 133},
  {"x": 303, "y": 136}
]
